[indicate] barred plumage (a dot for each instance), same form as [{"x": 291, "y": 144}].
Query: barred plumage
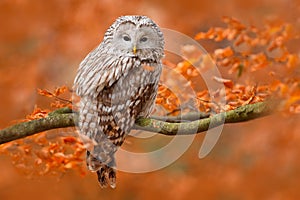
[{"x": 117, "y": 83}]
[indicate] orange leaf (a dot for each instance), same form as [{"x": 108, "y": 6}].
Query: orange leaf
[
  {"x": 292, "y": 61},
  {"x": 60, "y": 90},
  {"x": 228, "y": 83},
  {"x": 37, "y": 113},
  {"x": 45, "y": 93},
  {"x": 69, "y": 140},
  {"x": 200, "y": 36},
  {"x": 233, "y": 23},
  {"x": 227, "y": 52}
]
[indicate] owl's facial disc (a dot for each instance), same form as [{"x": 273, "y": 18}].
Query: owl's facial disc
[{"x": 131, "y": 39}]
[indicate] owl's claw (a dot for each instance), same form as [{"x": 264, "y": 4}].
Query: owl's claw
[
  {"x": 92, "y": 163},
  {"x": 106, "y": 176}
]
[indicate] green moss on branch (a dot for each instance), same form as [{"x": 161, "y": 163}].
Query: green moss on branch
[{"x": 64, "y": 117}]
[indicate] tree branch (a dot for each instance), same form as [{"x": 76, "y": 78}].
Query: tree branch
[
  {"x": 192, "y": 116},
  {"x": 64, "y": 117},
  {"x": 241, "y": 114}
]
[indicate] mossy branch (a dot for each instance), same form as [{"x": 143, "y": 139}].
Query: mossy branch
[{"x": 64, "y": 117}]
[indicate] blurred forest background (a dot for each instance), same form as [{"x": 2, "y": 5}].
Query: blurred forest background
[{"x": 41, "y": 46}]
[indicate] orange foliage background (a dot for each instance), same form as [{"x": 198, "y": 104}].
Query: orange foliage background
[{"x": 41, "y": 46}]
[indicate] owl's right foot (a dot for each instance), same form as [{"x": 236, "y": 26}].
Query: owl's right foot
[
  {"x": 106, "y": 173},
  {"x": 106, "y": 177}
]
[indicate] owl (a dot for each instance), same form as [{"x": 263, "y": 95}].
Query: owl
[{"x": 117, "y": 83}]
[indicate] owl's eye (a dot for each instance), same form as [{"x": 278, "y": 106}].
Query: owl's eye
[
  {"x": 143, "y": 39},
  {"x": 126, "y": 38}
]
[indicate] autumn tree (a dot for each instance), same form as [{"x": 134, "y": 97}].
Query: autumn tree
[{"x": 245, "y": 51}]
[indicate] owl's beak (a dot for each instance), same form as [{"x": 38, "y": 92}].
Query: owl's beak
[{"x": 134, "y": 49}]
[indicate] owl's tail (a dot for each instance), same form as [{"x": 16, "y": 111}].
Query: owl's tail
[{"x": 106, "y": 173}]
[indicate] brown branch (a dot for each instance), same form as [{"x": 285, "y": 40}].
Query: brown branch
[{"x": 64, "y": 117}]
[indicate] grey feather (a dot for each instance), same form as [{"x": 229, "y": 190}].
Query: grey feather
[{"x": 117, "y": 85}]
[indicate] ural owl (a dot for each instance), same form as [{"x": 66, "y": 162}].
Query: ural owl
[{"x": 117, "y": 83}]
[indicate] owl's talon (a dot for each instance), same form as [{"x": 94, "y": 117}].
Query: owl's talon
[{"x": 106, "y": 176}]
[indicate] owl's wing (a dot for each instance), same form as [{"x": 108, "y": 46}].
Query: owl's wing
[{"x": 100, "y": 69}]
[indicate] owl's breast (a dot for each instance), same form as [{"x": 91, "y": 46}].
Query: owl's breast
[{"x": 133, "y": 89}]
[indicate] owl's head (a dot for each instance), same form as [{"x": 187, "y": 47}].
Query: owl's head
[{"x": 135, "y": 36}]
